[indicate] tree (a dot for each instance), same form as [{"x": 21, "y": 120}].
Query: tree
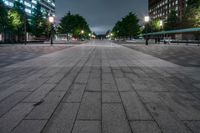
[
  {"x": 193, "y": 3},
  {"x": 17, "y": 19},
  {"x": 172, "y": 21},
  {"x": 131, "y": 25},
  {"x": 119, "y": 30},
  {"x": 74, "y": 24},
  {"x": 127, "y": 27},
  {"x": 4, "y": 23},
  {"x": 191, "y": 18},
  {"x": 38, "y": 23},
  {"x": 153, "y": 26}
]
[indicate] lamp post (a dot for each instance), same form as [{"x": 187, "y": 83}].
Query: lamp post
[
  {"x": 82, "y": 32},
  {"x": 146, "y": 20},
  {"x": 161, "y": 24},
  {"x": 51, "y": 21}
]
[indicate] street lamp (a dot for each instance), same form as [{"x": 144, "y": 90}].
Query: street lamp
[
  {"x": 146, "y": 20},
  {"x": 51, "y": 21},
  {"x": 82, "y": 31},
  {"x": 161, "y": 24}
]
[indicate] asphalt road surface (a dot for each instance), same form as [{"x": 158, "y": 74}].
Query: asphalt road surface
[{"x": 99, "y": 87}]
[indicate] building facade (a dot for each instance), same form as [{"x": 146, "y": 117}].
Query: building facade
[
  {"x": 160, "y": 9},
  {"x": 48, "y": 6}
]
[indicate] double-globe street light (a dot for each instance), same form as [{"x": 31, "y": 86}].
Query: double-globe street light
[{"x": 51, "y": 21}]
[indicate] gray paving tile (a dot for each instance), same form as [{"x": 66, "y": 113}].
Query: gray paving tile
[
  {"x": 30, "y": 126},
  {"x": 183, "y": 104},
  {"x": 56, "y": 78},
  {"x": 82, "y": 78},
  {"x": 11, "y": 101},
  {"x": 75, "y": 94},
  {"x": 144, "y": 127},
  {"x": 14, "y": 116},
  {"x": 90, "y": 108},
  {"x": 33, "y": 85},
  {"x": 64, "y": 85},
  {"x": 95, "y": 73},
  {"x": 123, "y": 84},
  {"x": 110, "y": 97},
  {"x": 194, "y": 126},
  {"x": 106, "y": 69},
  {"x": 40, "y": 93},
  {"x": 118, "y": 74},
  {"x": 94, "y": 85},
  {"x": 5, "y": 93},
  {"x": 114, "y": 119},
  {"x": 87, "y": 127},
  {"x": 46, "y": 109},
  {"x": 109, "y": 87},
  {"x": 107, "y": 78},
  {"x": 134, "y": 108},
  {"x": 63, "y": 119},
  {"x": 164, "y": 116}
]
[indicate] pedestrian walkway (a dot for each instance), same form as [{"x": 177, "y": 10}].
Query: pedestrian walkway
[{"x": 99, "y": 87}]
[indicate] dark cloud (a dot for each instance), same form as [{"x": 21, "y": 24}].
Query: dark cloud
[{"x": 101, "y": 14}]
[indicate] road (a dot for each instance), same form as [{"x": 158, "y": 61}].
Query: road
[{"x": 99, "y": 87}]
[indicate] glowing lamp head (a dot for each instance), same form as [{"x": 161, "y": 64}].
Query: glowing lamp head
[
  {"x": 51, "y": 19},
  {"x": 146, "y": 19},
  {"x": 82, "y": 31},
  {"x": 161, "y": 23}
]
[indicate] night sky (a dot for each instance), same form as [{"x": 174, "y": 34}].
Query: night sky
[{"x": 101, "y": 14}]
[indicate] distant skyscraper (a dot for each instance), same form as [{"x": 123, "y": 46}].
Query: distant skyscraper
[
  {"x": 161, "y": 8},
  {"x": 48, "y": 6}
]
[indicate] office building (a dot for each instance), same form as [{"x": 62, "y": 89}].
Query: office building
[
  {"x": 160, "y": 9},
  {"x": 48, "y": 6}
]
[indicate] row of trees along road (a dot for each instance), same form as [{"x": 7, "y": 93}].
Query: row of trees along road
[
  {"x": 14, "y": 22},
  {"x": 74, "y": 25},
  {"x": 128, "y": 27},
  {"x": 190, "y": 19}
]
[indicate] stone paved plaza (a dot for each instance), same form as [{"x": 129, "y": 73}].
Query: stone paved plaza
[
  {"x": 182, "y": 54},
  {"x": 14, "y": 54},
  {"x": 99, "y": 87}
]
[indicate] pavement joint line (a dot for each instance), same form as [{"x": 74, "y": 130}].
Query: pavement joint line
[
  {"x": 54, "y": 109},
  {"x": 87, "y": 120},
  {"x": 112, "y": 73},
  {"x": 70, "y": 87},
  {"x": 101, "y": 86},
  {"x": 111, "y": 103},
  {"x": 143, "y": 105},
  {"x": 19, "y": 101},
  {"x": 81, "y": 96}
]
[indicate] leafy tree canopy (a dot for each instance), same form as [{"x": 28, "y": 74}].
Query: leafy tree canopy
[
  {"x": 191, "y": 18},
  {"x": 172, "y": 21},
  {"x": 74, "y": 24},
  {"x": 193, "y": 3},
  {"x": 16, "y": 16},
  {"x": 127, "y": 27}
]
